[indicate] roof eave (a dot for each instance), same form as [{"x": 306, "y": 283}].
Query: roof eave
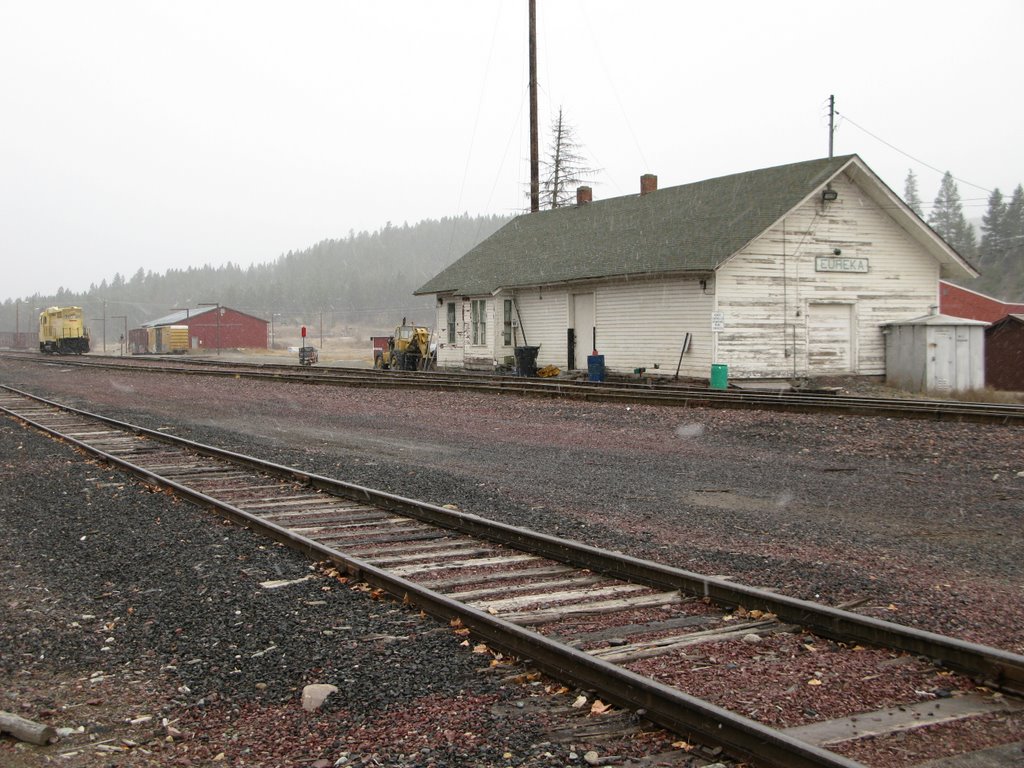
[
  {"x": 951, "y": 263},
  {"x": 695, "y": 274}
]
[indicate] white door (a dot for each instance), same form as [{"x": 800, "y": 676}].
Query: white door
[
  {"x": 942, "y": 351},
  {"x": 582, "y": 323},
  {"x": 830, "y": 338}
]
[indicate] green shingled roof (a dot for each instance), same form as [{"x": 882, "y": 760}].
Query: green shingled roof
[{"x": 691, "y": 228}]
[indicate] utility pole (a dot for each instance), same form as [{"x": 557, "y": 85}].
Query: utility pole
[
  {"x": 104, "y": 327},
  {"x": 534, "y": 151},
  {"x": 831, "y": 121}
]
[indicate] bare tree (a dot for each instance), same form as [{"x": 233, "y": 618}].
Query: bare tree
[{"x": 564, "y": 169}]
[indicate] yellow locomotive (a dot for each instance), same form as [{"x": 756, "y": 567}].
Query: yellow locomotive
[{"x": 62, "y": 331}]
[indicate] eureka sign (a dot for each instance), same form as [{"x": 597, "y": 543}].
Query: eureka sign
[{"x": 840, "y": 264}]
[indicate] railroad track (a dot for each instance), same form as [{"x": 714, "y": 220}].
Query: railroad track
[
  {"x": 666, "y": 393},
  {"x": 600, "y": 620}
]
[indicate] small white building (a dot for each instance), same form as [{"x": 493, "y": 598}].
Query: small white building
[
  {"x": 781, "y": 273},
  {"x": 936, "y": 353}
]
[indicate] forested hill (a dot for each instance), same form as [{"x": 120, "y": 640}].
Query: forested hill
[{"x": 365, "y": 278}]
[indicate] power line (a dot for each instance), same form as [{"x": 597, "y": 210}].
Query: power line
[
  {"x": 611, "y": 84},
  {"x": 476, "y": 120},
  {"x": 907, "y": 154}
]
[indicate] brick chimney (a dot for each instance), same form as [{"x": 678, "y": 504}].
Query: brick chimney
[
  {"x": 648, "y": 183},
  {"x": 584, "y": 195}
]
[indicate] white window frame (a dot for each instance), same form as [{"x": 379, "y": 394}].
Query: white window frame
[
  {"x": 507, "y": 331},
  {"x": 450, "y": 319},
  {"x": 478, "y": 321}
]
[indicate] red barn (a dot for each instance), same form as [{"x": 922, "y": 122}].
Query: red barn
[
  {"x": 963, "y": 302},
  {"x": 1004, "y": 354},
  {"x": 211, "y": 328}
]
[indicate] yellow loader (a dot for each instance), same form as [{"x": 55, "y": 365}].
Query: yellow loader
[{"x": 409, "y": 349}]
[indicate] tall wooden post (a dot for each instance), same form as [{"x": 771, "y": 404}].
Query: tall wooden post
[{"x": 534, "y": 152}]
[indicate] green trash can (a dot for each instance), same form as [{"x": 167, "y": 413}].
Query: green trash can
[{"x": 719, "y": 376}]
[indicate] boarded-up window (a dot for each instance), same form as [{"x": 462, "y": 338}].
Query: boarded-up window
[{"x": 451, "y": 322}]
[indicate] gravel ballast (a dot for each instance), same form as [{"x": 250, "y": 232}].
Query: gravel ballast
[
  {"x": 922, "y": 519},
  {"x": 147, "y": 622}
]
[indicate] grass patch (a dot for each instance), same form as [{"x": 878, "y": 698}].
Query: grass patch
[{"x": 988, "y": 396}]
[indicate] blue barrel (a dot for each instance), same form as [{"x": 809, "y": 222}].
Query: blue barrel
[
  {"x": 719, "y": 376},
  {"x": 595, "y": 367}
]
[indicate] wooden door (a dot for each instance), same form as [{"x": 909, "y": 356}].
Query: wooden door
[
  {"x": 582, "y": 324},
  {"x": 830, "y": 338}
]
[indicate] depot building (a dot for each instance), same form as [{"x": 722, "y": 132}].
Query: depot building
[{"x": 779, "y": 273}]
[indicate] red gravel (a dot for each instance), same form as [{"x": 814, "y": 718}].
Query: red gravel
[
  {"x": 917, "y": 517},
  {"x": 934, "y": 741},
  {"x": 788, "y": 680}
]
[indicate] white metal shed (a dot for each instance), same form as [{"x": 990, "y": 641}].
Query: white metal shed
[{"x": 935, "y": 353}]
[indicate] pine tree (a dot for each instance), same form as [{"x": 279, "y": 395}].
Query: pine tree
[
  {"x": 1012, "y": 238},
  {"x": 564, "y": 168},
  {"x": 947, "y": 218},
  {"x": 910, "y": 195},
  {"x": 992, "y": 243}
]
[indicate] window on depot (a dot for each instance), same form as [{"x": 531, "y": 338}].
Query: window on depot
[
  {"x": 507, "y": 330},
  {"x": 478, "y": 317}
]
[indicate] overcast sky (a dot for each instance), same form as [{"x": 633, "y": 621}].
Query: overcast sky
[{"x": 168, "y": 134}]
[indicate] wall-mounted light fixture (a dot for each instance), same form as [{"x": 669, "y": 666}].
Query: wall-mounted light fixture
[
  {"x": 828, "y": 195},
  {"x": 837, "y": 251}
]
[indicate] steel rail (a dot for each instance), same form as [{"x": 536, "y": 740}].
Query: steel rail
[
  {"x": 667, "y": 387},
  {"x": 634, "y": 393},
  {"x": 998, "y": 668},
  {"x": 995, "y": 667},
  {"x": 665, "y": 394},
  {"x": 663, "y": 705}
]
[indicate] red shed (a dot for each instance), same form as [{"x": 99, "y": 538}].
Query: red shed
[
  {"x": 963, "y": 302},
  {"x": 1004, "y": 354},
  {"x": 211, "y": 328}
]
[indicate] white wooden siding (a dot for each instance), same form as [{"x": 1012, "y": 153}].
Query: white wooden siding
[
  {"x": 492, "y": 350},
  {"x": 830, "y": 337},
  {"x": 543, "y": 318},
  {"x": 766, "y": 290},
  {"x": 464, "y": 353},
  {"x": 639, "y": 324},
  {"x": 450, "y": 355}
]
